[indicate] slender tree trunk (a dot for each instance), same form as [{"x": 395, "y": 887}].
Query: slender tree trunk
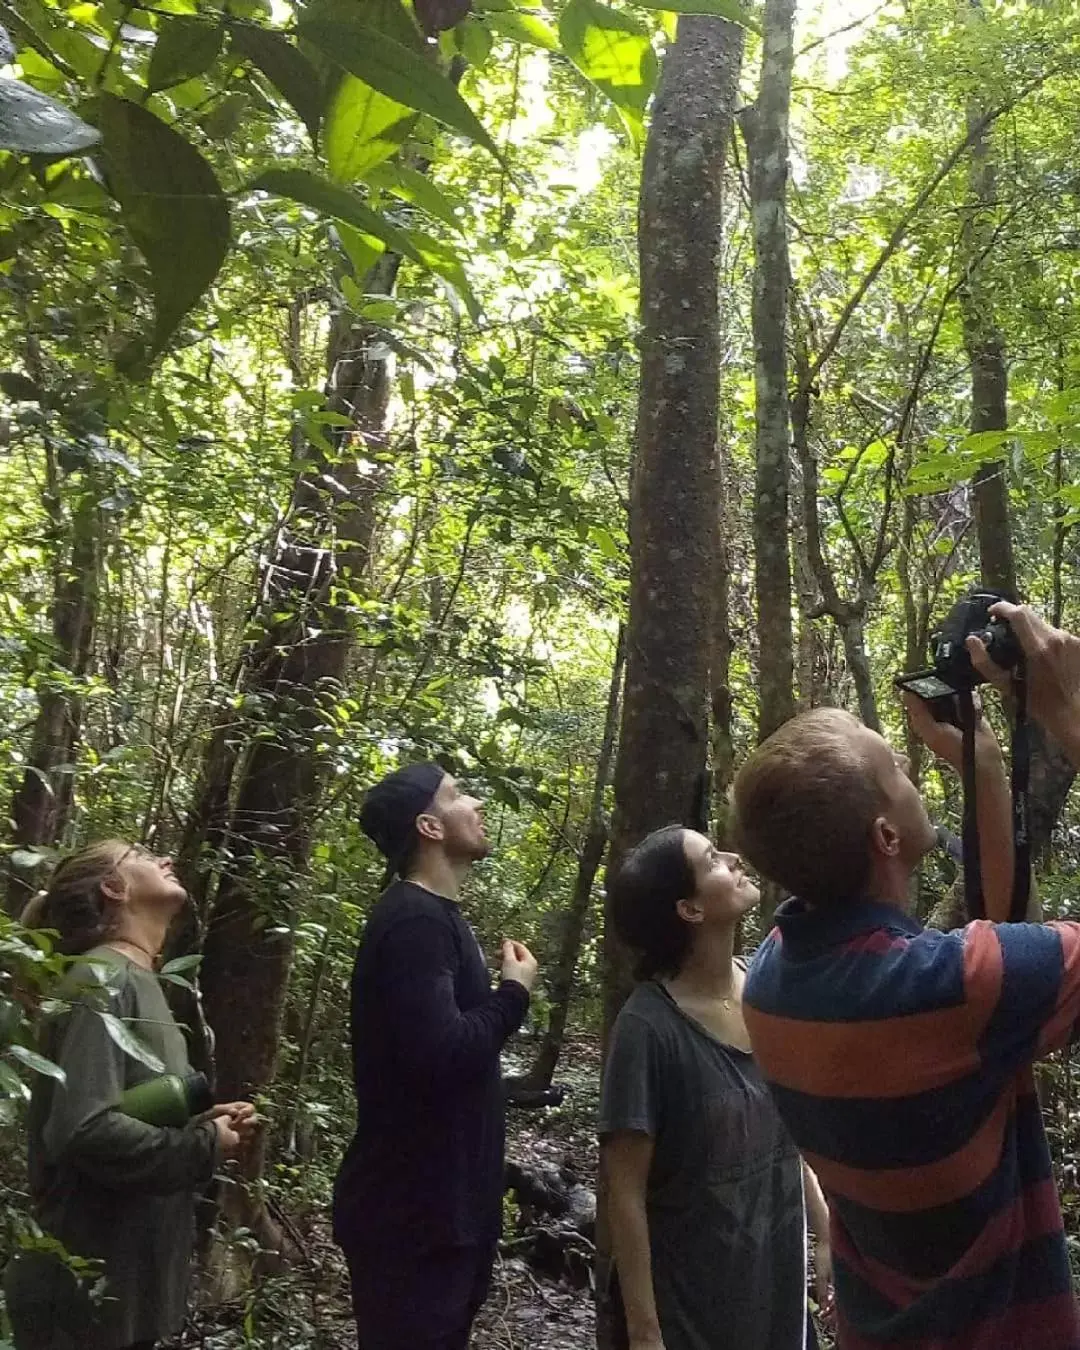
[
  {"x": 42, "y": 803},
  {"x": 660, "y": 771},
  {"x": 560, "y": 981},
  {"x": 986, "y": 353},
  {"x": 850, "y": 615},
  {"x": 296, "y": 672},
  {"x": 765, "y": 127}
]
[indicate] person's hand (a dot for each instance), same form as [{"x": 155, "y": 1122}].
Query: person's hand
[
  {"x": 230, "y": 1142},
  {"x": 1053, "y": 671},
  {"x": 241, "y": 1117},
  {"x": 823, "y": 1283},
  {"x": 947, "y": 741},
  {"x": 647, "y": 1342},
  {"x": 518, "y": 963}
]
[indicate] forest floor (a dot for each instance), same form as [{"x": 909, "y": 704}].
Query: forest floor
[{"x": 308, "y": 1308}]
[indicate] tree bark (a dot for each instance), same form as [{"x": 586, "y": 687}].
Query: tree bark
[
  {"x": 560, "y": 981},
  {"x": 42, "y": 803},
  {"x": 985, "y": 348},
  {"x": 765, "y": 128},
  {"x": 674, "y": 507},
  {"x": 660, "y": 771},
  {"x": 294, "y": 673}
]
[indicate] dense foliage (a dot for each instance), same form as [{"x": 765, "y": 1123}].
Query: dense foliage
[{"x": 319, "y": 368}]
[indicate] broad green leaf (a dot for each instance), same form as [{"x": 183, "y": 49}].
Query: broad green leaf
[
  {"x": 37, "y": 1062},
  {"x": 185, "y": 47},
  {"x": 364, "y": 252},
  {"x": 363, "y": 128},
  {"x": 178, "y": 965},
  {"x": 397, "y": 72},
  {"x": 473, "y": 40},
  {"x": 614, "y": 52},
  {"x": 441, "y": 259},
  {"x": 342, "y": 205},
  {"x": 35, "y": 124},
  {"x": 527, "y": 28},
  {"x": 720, "y": 9},
  {"x": 126, "y": 1039},
  {"x": 172, "y": 206},
  {"x": 415, "y": 187},
  {"x": 329, "y": 199},
  {"x": 986, "y": 444},
  {"x": 287, "y": 69}
]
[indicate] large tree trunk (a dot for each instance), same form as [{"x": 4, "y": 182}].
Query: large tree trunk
[
  {"x": 42, "y": 803},
  {"x": 660, "y": 772},
  {"x": 765, "y": 127},
  {"x": 560, "y": 981},
  {"x": 295, "y": 672}
]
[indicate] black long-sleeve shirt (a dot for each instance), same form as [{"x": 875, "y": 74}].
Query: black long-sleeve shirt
[{"x": 425, "y": 1165}]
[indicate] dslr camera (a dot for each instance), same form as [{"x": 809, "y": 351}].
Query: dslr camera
[{"x": 952, "y": 672}]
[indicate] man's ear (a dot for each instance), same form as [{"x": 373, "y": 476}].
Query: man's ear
[
  {"x": 429, "y": 827},
  {"x": 884, "y": 838},
  {"x": 689, "y": 910}
]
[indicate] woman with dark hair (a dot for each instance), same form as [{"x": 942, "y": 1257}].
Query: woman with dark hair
[
  {"x": 706, "y": 1190},
  {"x": 110, "y": 1189}
]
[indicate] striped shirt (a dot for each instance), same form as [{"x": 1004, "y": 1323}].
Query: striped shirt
[{"x": 900, "y": 1059}]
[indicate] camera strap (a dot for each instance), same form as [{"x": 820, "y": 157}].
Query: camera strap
[{"x": 1020, "y": 778}]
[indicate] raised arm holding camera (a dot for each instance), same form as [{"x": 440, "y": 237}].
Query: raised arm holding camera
[{"x": 901, "y": 1058}]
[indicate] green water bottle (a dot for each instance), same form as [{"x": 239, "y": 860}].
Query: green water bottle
[{"x": 168, "y": 1100}]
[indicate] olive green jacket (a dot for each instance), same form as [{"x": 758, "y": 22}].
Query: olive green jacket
[{"x": 109, "y": 1187}]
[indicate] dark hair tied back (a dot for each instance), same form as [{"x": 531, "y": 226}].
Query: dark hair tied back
[{"x": 644, "y": 890}]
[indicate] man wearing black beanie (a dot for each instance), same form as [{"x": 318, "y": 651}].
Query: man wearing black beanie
[{"x": 418, "y": 1200}]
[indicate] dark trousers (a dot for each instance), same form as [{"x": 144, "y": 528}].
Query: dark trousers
[{"x": 418, "y": 1300}]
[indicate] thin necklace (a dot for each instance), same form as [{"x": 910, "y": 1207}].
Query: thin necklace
[{"x": 129, "y": 942}]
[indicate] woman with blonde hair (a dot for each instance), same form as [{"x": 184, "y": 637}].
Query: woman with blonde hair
[{"x": 109, "y": 1188}]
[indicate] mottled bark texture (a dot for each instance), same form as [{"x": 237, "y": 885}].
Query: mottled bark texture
[
  {"x": 660, "y": 772},
  {"x": 765, "y": 128}
]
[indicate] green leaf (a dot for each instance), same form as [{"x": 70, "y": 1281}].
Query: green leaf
[
  {"x": 185, "y": 47},
  {"x": 287, "y": 69},
  {"x": 329, "y": 199},
  {"x": 397, "y": 72},
  {"x": 172, "y": 205},
  {"x": 615, "y": 53},
  {"x": 441, "y": 259},
  {"x": 413, "y": 186},
  {"x": 179, "y": 964},
  {"x": 986, "y": 444},
  {"x": 527, "y": 28},
  {"x": 126, "y": 1039},
  {"x": 473, "y": 41},
  {"x": 364, "y": 252},
  {"x": 720, "y": 9},
  {"x": 37, "y": 1062},
  {"x": 363, "y": 128},
  {"x": 35, "y": 124}
]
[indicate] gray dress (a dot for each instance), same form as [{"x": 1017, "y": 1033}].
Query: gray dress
[
  {"x": 725, "y": 1200},
  {"x": 110, "y": 1188}
]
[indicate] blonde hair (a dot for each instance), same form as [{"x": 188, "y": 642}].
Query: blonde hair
[
  {"x": 74, "y": 902},
  {"x": 805, "y": 803}
]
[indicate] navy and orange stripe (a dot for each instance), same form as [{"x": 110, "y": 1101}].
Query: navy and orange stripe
[{"x": 900, "y": 1061}]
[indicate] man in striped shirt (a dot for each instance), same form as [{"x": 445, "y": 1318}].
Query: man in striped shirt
[{"x": 900, "y": 1058}]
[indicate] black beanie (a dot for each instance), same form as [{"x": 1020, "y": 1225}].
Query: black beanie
[{"x": 388, "y": 815}]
